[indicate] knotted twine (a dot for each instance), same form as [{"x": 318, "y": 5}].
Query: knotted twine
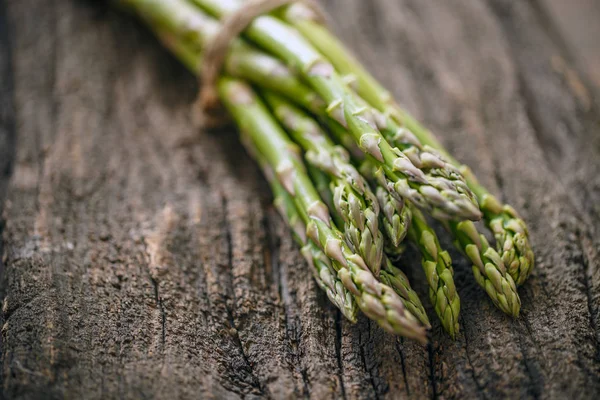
[{"x": 217, "y": 48}]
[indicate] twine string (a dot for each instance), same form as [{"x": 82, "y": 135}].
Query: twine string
[{"x": 217, "y": 48}]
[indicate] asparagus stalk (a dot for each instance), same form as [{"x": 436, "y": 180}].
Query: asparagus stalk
[
  {"x": 488, "y": 267},
  {"x": 378, "y": 301},
  {"x": 389, "y": 274},
  {"x": 327, "y": 279},
  {"x": 257, "y": 67},
  {"x": 395, "y": 278},
  {"x": 437, "y": 265},
  {"x": 321, "y": 182},
  {"x": 396, "y": 216},
  {"x": 436, "y": 262},
  {"x": 352, "y": 198},
  {"x": 320, "y": 265},
  {"x": 431, "y": 192},
  {"x": 510, "y": 231}
]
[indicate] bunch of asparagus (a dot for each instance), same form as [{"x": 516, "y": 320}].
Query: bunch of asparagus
[{"x": 351, "y": 172}]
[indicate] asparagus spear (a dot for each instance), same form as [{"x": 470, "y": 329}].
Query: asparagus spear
[
  {"x": 389, "y": 274},
  {"x": 488, "y": 267},
  {"x": 396, "y": 216},
  {"x": 378, "y": 301},
  {"x": 352, "y": 198},
  {"x": 258, "y": 67},
  {"x": 321, "y": 182},
  {"x": 431, "y": 192},
  {"x": 395, "y": 278},
  {"x": 436, "y": 262},
  {"x": 327, "y": 280},
  {"x": 437, "y": 265},
  {"x": 510, "y": 231},
  {"x": 320, "y": 265}
]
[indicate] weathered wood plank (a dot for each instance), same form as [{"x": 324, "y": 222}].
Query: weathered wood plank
[
  {"x": 463, "y": 80},
  {"x": 7, "y": 112},
  {"x": 576, "y": 25},
  {"x": 143, "y": 260},
  {"x": 7, "y": 131}
]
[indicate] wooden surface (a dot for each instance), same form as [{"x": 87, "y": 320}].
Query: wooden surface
[{"x": 143, "y": 260}]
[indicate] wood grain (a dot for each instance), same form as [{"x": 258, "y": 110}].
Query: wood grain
[{"x": 143, "y": 259}]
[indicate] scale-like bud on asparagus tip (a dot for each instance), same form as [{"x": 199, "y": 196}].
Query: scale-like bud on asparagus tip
[
  {"x": 285, "y": 172},
  {"x": 319, "y": 210},
  {"x": 369, "y": 143},
  {"x": 437, "y": 266},
  {"x": 488, "y": 267},
  {"x": 333, "y": 250}
]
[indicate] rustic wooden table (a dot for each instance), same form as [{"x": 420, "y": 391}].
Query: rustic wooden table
[{"x": 143, "y": 259}]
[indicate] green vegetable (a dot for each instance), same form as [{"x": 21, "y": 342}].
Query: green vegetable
[
  {"x": 436, "y": 192},
  {"x": 320, "y": 265},
  {"x": 353, "y": 200},
  {"x": 378, "y": 301},
  {"x": 510, "y": 231},
  {"x": 437, "y": 265}
]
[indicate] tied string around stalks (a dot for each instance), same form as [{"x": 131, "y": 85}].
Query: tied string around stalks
[{"x": 211, "y": 111}]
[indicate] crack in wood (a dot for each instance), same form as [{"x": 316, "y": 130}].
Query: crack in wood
[
  {"x": 163, "y": 316},
  {"x": 362, "y": 344},
  {"x": 338, "y": 351},
  {"x": 480, "y": 387},
  {"x": 402, "y": 364},
  {"x": 292, "y": 331},
  {"x": 432, "y": 378},
  {"x": 587, "y": 278},
  {"x": 256, "y": 383}
]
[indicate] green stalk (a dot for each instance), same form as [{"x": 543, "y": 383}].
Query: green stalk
[
  {"x": 437, "y": 265},
  {"x": 433, "y": 193},
  {"x": 396, "y": 216},
  {"x": 436, "y": 262},
  {"x": 352, "y": 197},
  {"x": 395, "y": 278},
  {"x": 389, "y": 274},
  {"x": 510, "y": 231},
  {"x": 378, "y": 301},
  {"x": 321, "y": 182},
  {"x": 488, "y": 267},
  {"x": 320, "y": 265},
  {"x": 184, "y": 29}
]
